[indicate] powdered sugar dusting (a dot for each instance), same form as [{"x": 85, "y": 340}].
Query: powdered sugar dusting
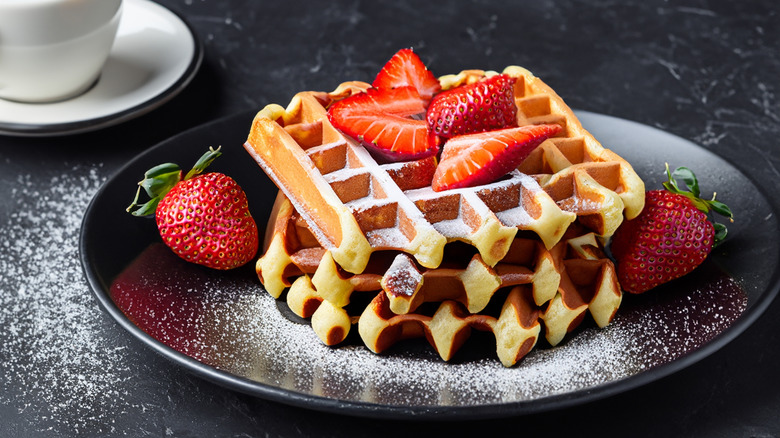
[
  {"x": 278, "y": 351},
  {"x": 55, "y": 354},
  {"x": 402, "y": 277},
  {"x": 637, "y": 340}
]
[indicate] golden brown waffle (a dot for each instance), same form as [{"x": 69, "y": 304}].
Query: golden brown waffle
[
  {"x": 355, "y": 205},
  {"x": 463, "y": 276},
  {"x": 516, "y": 328},
  {"x": 549, "y": 288},
  {"x": 355, "y": 225}
]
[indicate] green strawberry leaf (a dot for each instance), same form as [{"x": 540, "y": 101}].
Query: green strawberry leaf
[
  {"x": 688, "y": 178},
  {"x": 720, "y": 233},
  {"x": 157, "y": 181},
  {"x": 145, "y": 209},
  {"x": 160, "y": 179},
  {"x": 721, "y": 208},
  {"x": 671, "y": 184},
  {"x": 162, "y": 169}
]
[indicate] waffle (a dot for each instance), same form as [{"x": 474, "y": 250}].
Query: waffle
[
  {"x": 356, "y": 205},
  {"x": 551, "y": 289},
  {"x": 464, "y": 276},
  {"x": 345, "y": 223}
]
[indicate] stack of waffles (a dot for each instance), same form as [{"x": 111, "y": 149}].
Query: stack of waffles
[{"x": 517, "y": 257}]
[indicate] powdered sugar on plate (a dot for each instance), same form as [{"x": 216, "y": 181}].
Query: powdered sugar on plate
[
  {"x": 230, "y": 323},
  {"x": 646, "y": 334}
]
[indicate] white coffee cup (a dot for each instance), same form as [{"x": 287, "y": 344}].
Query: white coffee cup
[{"x": 53, "y": 50}]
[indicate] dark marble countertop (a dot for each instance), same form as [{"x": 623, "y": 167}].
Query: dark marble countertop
[{"x": 706, "y": 71}]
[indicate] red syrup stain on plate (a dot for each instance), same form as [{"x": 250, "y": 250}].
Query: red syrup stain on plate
[
  {"x": 185, "y": 306},
  {"x": 682, "y": 316}
]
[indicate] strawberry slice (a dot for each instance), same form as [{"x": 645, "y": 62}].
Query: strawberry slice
[
  {"x": 481, "y": 106},
  {"x": 382, "y": 120},
  {"x": 405, "y": 69},
  {"x": 475, "y": 159}
]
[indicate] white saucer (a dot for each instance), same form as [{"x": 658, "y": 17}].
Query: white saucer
[{"x": 154, "y": 57}]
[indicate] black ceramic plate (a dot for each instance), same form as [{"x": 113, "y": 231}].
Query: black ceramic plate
[{"x": 225, "y": 328}]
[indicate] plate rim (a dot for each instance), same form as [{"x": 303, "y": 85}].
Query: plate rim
[
  {"x": 17, "y": 129},
  {"x": 373, "y": 410}
]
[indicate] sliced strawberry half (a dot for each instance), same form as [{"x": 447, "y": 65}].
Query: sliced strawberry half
[
  {"x": 405, "y": 69},
  {"x": 383, "y": 121},
  {"x": 481, "y": 106},
  {"x": 476, "y": 159}
]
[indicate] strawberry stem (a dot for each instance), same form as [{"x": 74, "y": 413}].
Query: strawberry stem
[
  {"x": 693, "y": 193},
  {"x": 204, "y": 162},
  {"x": 160, "y": 179}
]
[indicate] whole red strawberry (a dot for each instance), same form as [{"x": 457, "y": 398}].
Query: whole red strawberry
[
  {"x": 670, "y": 238},
  {"x": 481, "y": 106},
  {"x": 203, "y": 217}
]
